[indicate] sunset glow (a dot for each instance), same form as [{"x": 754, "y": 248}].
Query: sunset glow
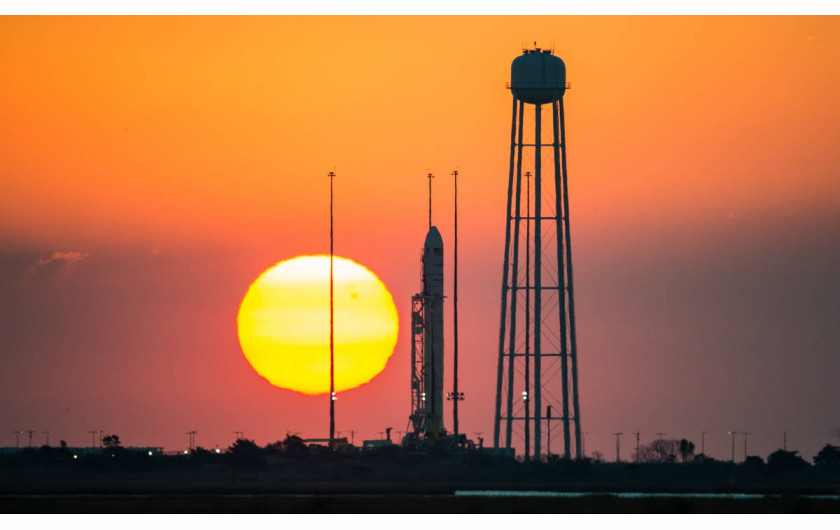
[{"x": 284, "y": 324}]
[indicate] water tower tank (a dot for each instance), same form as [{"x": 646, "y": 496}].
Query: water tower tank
[{"x": 538, "y": 77}]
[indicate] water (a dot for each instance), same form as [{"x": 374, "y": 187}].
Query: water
[{"x": 632, "y": 495}]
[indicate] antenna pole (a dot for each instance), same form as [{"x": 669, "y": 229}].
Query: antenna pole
[
  {"x": 430, "y": 176},
  {"x": 455, "y": 395},
  {"x": 332, "y": 319}
]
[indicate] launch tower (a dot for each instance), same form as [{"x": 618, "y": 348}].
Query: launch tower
[{"x": 537, "y": 369}]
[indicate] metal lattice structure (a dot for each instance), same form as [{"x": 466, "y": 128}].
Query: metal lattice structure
[
  {"x": 537, "y": 370},
  {"x": 419, "y": 412}
]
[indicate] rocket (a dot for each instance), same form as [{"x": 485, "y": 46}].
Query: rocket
[{"x": 433, "y": 347}]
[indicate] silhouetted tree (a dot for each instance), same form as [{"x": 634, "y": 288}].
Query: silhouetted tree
[
  {"x": 246, "y": 453},
  {"x": 111, "y": 444},
  {"x": 686, "y": 450},
  {"x": 828, "y": 456},
  {"x": 659, "y": 451},
  {"x": 111, "y": 441},
  {"x": 754, "y": 462},
  {"x": 784, "y": 461},
  {"x": 274, "y": 448},
  {"x": 294, "y": 445}
]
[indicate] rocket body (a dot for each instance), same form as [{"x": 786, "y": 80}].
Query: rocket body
[{"x": 433, "y": 347}]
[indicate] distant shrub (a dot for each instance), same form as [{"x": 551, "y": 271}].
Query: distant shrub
[
  {"x": 785, "y": 461},
  {"x": 828, "y": 456}
]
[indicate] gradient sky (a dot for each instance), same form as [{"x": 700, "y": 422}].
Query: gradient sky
[{"x": 152, "y": 168}]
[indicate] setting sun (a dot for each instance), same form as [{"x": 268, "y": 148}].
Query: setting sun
[{"x": 284, "y": 321}]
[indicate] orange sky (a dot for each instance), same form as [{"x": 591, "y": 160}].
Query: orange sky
[{"x": 187, "y": 155}]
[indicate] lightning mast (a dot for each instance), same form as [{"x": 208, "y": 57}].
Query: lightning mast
[
  {"x": 455, "y": 395},
  {"x": 331, "y": 175}
]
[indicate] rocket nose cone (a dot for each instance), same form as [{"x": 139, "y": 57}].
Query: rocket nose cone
[{"x": 433, "y": 238}]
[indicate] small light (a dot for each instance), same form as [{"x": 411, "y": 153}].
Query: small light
[
  {"x": 333, "y": 396},
  {"x": 150, "y": 453},
  {"x": 525, "y": 395},
  {"x": 186, "y": 452},
  {"x": 218, "y": 451},
  {"x": 422, "y": 396},
  {"x": 75, "y": 457}
]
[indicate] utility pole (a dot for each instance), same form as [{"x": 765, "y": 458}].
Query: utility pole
[
  {"x": 17, "y": 438},
  {"x": 48, "y": 433},
  {"x": 352, "y": 437},
  {"x": 703, "y": 443},
  {"x": 785, "y": 446},
  {"x": 30, "y": 437},
  {"x": 93, "y": 438},
  {"x": 732, "y": 437},
  {"x": 638, "y": 435},
  {"x": 332, "y": 319},
  {"x": 239, "y": 434},
  {"x": 617, "y": 446},
  {"x": 746, "y": 434},
  {"x": 192, "y": 439},
  {"x": 583, "y": 444},
  {"x": 661, "y": 434}
]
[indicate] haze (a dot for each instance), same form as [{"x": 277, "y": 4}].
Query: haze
[{"x": 152, "y": 168}]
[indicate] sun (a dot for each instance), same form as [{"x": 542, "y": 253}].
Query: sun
[{"x": 284, "y": 324}]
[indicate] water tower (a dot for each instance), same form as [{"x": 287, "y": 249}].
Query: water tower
[{"x": 537, "y": 370}]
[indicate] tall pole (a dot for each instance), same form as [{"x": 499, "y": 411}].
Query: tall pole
[
  {"x": 515, "y": 275},
  {"x": 455, "y": 395},
  {"x": 732, "y": 437},
  {"x": 785, "y": 441},
  {"x": 746, "y": 434},
  {"x": 505, "y": 289},
  {"x": 703, "y": 443},
  {"x": 430, "y": 177},
  {"x": 563, "y": 278},
  {"x": 332, "y": 318}
]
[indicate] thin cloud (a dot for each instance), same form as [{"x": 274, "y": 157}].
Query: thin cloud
[{"x": 58, "y": 267}]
